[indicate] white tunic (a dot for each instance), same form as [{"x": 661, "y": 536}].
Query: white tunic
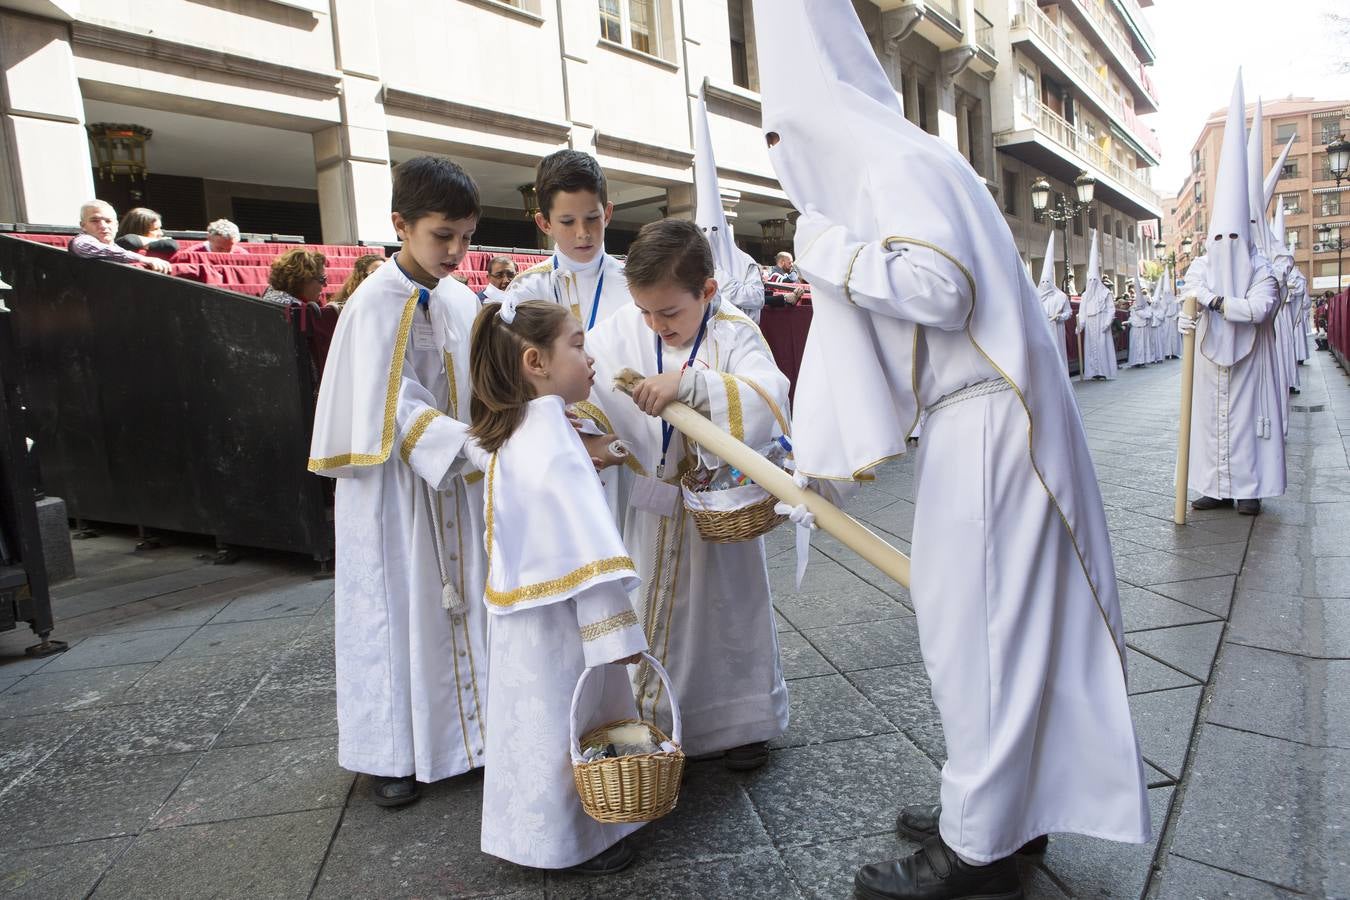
[
  {"x": 560, "y": 280},
  {"x": 1237, "y": 429},
  {"x": 557, "y": 595},
  {"x": 1141, "y": 334},
  {"x": 1171, "y": 337},
  {"x": 1058, "y": 310},
  {"x": 411, "y": 675},
  {"x": 706, "y": 607},
  {"x": 1012, "y": 575},
  {"x": 1099, "y": 344},
  {"x": 1157, "y": 319},
  {"x": 1298, "y": 285}
]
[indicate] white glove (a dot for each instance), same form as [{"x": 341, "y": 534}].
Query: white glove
[{"x": 1186, "y": 324}]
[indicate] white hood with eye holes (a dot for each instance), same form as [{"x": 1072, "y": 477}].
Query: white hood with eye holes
[{"x": 730, "y": 262}]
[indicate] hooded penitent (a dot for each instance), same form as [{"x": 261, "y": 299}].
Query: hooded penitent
[
  {"x": 1256, "y": 191},
  {"x": 730, "y": 262},
  {"x": 1051, "y": 296},
  {"x": 1097, "y": 299},
  {"x": 1273, "y": 176}
]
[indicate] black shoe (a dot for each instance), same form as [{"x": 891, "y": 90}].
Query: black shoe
[
  {"x": 1209, "y": 503},
  {"x": 395, "y": 792},
  {"x": 746, "y": 757},
  {"x": 934, "y": 872},
  {"x": 919, "y": 823},
  {"x": 1249, "y": 507},
  {"x": 606, "y": 862},
  {"x": 1294, "y": 390}
]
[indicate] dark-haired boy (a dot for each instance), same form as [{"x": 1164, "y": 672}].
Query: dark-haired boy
[
  {"x": 390, "y": 426},
  {"x": 574, "y": 210}
]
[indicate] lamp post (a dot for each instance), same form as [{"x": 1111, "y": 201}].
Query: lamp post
[
  {"x": 1170, "y": 259},
  {"x": 1063, "y": 210},
  {"x": 1338, "y": 161},
  {"x": 1339, "y": 244}
]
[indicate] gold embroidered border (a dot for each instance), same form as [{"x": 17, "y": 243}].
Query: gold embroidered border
[
  {"x": 597, "y": 630},
  {"x": 723, "y": 316},
  {"x": 735, "y": 415},
  {"x": 390, "y": 401},
  {"x": 454, "y": 388},
  {"x": 419, "y": 428},
  {"x": 588, "y": 410}
]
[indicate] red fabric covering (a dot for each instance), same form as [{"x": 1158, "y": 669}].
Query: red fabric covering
[
  {"x": 475, "y": 261},
  {"x": 785, "y": 329},
  {"x": 1338, "y": 326},
  {"x": 328, "y": 250},
  {"x": 318, "y": 329},
  {"x": 525, "y": 261},
  {"x": 51, "y": 240}
]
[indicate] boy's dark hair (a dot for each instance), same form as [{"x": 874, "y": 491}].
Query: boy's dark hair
[
  {"x": 670, "y": 251},
  {"x": 567, "y": 171},
  {"x": 433, "y": 184}
]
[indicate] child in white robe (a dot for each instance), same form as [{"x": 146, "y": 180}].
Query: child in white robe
[
  {"x": 389, "y": 426},
  {"x": 706, "y": 607},
  {"x": 557, "y": 590}
]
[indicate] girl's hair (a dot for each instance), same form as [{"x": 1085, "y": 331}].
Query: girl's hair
[
  {"x": 360, "y": 270},
  {"x": 293, "y": 268},
  {"x": 670, "y": 251},
  {"x": 139, "y": 221},
  {"x": 500, "y": 389}
]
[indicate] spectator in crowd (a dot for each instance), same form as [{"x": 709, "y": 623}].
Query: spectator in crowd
[
  {"x": 297, "y": 277},
  {"x": 784, "y": 269},
  {"x": 361, "y": 268},
  {"x": 501, "y": 271},
  {"x": 98, "y": 224},
  {"x": 142, "y": 230},
  {"x": 222, "y": 236}
]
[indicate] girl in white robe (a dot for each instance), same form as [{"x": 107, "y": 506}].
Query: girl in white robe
[
  {"x": 706, "y": 607},
  {"x": 557, "y": 590}
]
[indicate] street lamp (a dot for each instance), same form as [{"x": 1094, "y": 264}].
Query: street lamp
[
  {"x": 1063, "y": 210},
  {"x": 1339, "y": 244},
  {"x": 1338, "y": 158},
  {"x": 1170, "y": 259}
]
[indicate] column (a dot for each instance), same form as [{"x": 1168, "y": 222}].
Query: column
[
  {"x": 352, "y": 159},
  {"x": 680, "y": 200},
  {"x": 45, "y": 165}
]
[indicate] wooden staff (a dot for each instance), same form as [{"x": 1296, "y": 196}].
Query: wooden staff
[
  {"x": 1188, "y": 309},
  {"x": 1082, "y": 363},
  {"x": 830, "y": 518}
]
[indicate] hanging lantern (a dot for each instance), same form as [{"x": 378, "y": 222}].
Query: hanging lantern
[
  {"x": 529, "y": 199},
  {"x": 119, "y": 149}
]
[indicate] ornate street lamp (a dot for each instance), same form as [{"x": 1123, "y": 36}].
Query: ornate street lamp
[
  {"x": 1338, "y": 159},
  {"x": 1339, "y": 245},
  {"x": 119, "y": 149},
  {"x": 1170, "y": 259},
  {"x": 1063, "y": 210}
]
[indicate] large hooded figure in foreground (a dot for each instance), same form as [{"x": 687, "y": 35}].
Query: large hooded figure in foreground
[{"x": 924, "y": 308}]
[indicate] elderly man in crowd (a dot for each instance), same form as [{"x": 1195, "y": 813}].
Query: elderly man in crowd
[
  {"x": 501, "y": 272},
  {"x": 98, "y": 224},
  {"x": 222, "y": 236}
]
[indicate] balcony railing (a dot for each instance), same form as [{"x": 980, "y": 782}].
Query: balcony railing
[
  {"x": 1029, "y": 16},
  {"x": 1053, "y": 126},
  {"x": 947, "y": 8},
  {"x": 984, "y": 31},
  {"x": 1115, "y": 37},
  {"x": 1137, "y": 16}
]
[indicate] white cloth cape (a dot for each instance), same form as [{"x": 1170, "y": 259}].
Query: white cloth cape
[
  {"x": 917, "y": 283},
  {"x": 411, "y": 675},
  {"x": 559, "y": 279},
  {"x": 706, "y": 607}
]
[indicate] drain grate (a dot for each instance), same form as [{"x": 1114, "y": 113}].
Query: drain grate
[{"x": 1316, "y": 407}]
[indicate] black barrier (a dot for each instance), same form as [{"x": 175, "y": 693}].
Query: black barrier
[{"x": 164, "y": 403}]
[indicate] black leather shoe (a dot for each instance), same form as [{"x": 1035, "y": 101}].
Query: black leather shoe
[
  {"x": 607, "y": 862},
  {"x": 747, "y": 757},
  {"x": 1209, "y": 503},
  {"x": 934, "y": 872},
  {"x": 1249, "y": 507},
  {"x": 919, "y": 823},
  {"x": 395, "y": 792}
]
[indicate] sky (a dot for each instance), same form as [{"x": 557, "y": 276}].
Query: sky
[{"x": 1286, "y": 47}]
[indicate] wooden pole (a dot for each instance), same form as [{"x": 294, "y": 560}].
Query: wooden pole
[
  {"x": 1188, "y": 309},
  {"x": 829, "y": 518},
  {"x": 1082, "y": 362}
]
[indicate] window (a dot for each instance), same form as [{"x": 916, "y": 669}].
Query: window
[
  {"x": 631, "y": 23},
  {"x": 1291, "y": 235},
  {"x": 1078, "y": 224},
  {"x": 744, "y": 71},
  {"x": 1119, "y": 230},
  {"x": 1327, "y": 269},
  {"x": 1284, "y": 131},
  {"x": 1010, "y": 189},
  {"x": 1335, "y": 234},
  {"x": 1027, "y": 93},
  {"x": 1195, "y": 161},
  {"x": 923, "y": 108},
  {"x": 1290, "y": 169},
  {"x": 1331, "y": 204},
  {"x": 1106, "y": 225},
  {"x": 1290, "y": 203},
  {"x": 1199, "y": 191},
  {"x": 1331, "y": 129}
]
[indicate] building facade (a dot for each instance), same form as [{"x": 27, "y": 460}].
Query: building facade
[
  {"x": 1067, "y": 100},
  {"x": 1306, "y": 189},
  {"x": 287, "y": 115}
]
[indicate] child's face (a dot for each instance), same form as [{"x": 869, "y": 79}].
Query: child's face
[
  {"x": 672, "y": 312},
  {"x": 436, "y": 244},
  {"x": 571, "y": 370},
  {"x": 576, "y": 222}
]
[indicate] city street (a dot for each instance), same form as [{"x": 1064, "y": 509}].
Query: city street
[{"x": 185, "y": 745}]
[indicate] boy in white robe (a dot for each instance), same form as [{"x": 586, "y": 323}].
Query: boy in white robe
[
  {"x": 557, "y": 590},
  {"x": 390, "y": 423},
  {"x": 1157, "y": 318},
  {"x": 1096, "y": 314},
  {"x": 1055, "y": 302},
  {"x": 922, "y": 291},
  {"x": 706, "y": 607},
  {"x": 1237, "y": 429},
  {"x": 1141, "y": 338}
]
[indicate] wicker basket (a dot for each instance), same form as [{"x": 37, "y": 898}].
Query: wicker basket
[
  {"x": 736, "y": 514},
  {"x": 636, "y": 788}
]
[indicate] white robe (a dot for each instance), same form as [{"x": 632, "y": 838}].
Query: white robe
[
  {"x": 411, "y": 675},
  {"x": 1237, "y": 428},
  {"x": 1157, "y": 343},
  {"x": 1012, "y": 576},
  {"x": 1099, "y": 344},
  {"x": 706, "y": 607},
  {"x": 1286, "y": 362},
  {"x": 1058, "y": 310},
  {"x": 557, "y": 595},
  {"x": 560, "y": 280},
  {"x": 1171, "y": 337},
  {"x": 1141, "y": 334},
  {"x": 1299, "y": 286},
  {"x": 745, "y": 292}
]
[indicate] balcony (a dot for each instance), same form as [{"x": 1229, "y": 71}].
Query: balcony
[
  {"x": 1121, "y": 51},
  {"x": 1143, "y": 32},
  {"x": 1043, "y": 139},
  {"x": 1035, "y": 28}
]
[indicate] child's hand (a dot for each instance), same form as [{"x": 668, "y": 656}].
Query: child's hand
[
  {"x": 656, "y": 392},
  {"x": 598, "y": 446}
]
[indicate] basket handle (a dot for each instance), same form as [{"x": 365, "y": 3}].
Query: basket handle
[
  {"x": 676, "y": 730},
  {"x": 769, "y": 401}
]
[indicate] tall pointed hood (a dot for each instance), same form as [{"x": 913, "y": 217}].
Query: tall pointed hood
[
  {"x": 1159, "y": 291},
  {"x": 1097, "y": 298},
  {"x": 1256, "y": 191},
  {"x": 1273, "y": 176},
  {"x": 730, "y": 262},
  {"x": 1141, "y": 296},
  {"x": 1228, "y": 269},
  {"x": 1048, "y": 267},
  {"x": 1279, "y": 239}
]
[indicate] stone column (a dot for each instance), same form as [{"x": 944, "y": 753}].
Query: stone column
[
  {"x": 680, "y": 201},
  {"x": 352, "y": 159},
  {"x": 45, "y": 166}
]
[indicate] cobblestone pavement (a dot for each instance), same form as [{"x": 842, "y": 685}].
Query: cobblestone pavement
[{"x": 185, "y": 745}]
